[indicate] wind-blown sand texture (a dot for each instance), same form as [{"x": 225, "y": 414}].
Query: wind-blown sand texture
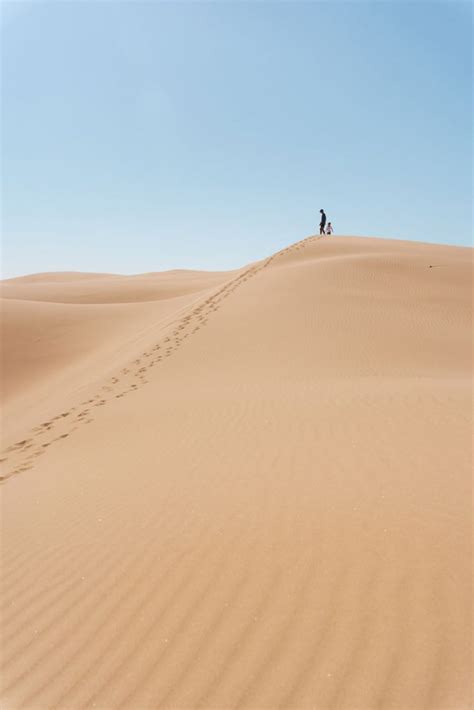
[{"x": 247, "y": 489}]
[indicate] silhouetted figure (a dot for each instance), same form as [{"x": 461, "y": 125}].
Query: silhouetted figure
[
  {"x": 322, "y": 223},
  {"x": 329, "y": 229}
]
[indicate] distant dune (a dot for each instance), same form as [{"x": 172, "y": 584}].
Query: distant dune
[{"x": 246, "y": 489}]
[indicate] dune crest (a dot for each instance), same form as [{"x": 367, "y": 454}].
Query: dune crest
[{"x": 246, "y": 489}]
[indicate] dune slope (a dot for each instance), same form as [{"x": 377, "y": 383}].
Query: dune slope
[{"x": 249, "y": 491}]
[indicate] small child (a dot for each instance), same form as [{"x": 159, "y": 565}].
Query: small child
[{"x": 329, "y": 229}]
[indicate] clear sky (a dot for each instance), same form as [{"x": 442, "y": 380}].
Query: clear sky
[{"x": 141, "y": 136}]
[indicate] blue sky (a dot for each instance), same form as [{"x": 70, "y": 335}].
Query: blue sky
[{"x": 141, "y": 136}]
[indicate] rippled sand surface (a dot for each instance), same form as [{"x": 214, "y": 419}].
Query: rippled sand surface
[{"x": 246, "y": 489}]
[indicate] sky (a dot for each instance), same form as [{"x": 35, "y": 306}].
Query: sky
[{"x": 145, "y": 136}]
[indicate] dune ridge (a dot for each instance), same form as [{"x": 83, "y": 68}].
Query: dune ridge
[{"x": 248, "y": 489}]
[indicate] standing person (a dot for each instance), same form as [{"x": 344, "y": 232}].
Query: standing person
[
  {"x": 329, "y": 229},
  {"x": 322, "y": 224}
]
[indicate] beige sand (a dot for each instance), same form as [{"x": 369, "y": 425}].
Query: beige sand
[{"x": 241, "y": 490}]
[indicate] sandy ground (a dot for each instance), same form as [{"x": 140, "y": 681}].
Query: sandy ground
[{"x": 247, "y": 489}]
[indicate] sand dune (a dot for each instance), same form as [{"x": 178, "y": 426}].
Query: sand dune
[
  {"x": 241, "y": 490},
  {"x": 110, "y": 288}
]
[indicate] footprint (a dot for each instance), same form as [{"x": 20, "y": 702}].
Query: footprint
[{"x": 18, "y": 445}]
